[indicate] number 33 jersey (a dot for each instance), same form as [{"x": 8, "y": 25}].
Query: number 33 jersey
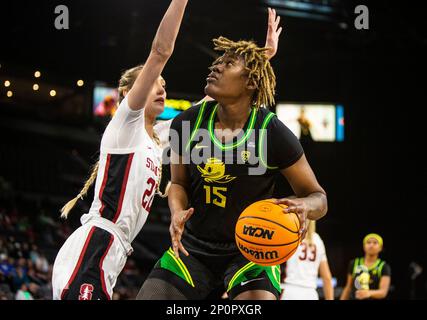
[
  {"x": 226, "y": 177},
  {"x": 303, "y": 267},
  {"x": 128, "y": 172}
]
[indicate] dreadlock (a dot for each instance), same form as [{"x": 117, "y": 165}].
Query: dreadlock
[
  {"x": 125, "y": 83},
  {"x": 261, "y": 74}
]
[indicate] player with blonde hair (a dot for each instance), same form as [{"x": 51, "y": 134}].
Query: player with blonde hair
[
  {"x": 127, "y": 176},
  {"x": 304, "y": 267}
]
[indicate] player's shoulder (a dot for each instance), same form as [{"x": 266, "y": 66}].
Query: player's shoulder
[
  {"x": 353, "y": 261},
  {"x": 384, "y": 263},
  {"x": 265, "y": 116}
]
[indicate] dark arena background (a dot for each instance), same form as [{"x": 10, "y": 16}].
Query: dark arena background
[{"x": 373, "y": 170}]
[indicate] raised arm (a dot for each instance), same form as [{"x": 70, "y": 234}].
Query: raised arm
[
  {"x": 271, "y": 39},
  {"x": 161, "y": 51}
]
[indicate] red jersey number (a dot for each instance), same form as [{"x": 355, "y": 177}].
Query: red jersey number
[
  {"x": 311, "y": 255},
  {"x": 147, "y": 198}
]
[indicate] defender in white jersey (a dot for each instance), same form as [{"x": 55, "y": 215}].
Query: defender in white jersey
[
  {"x": 303, "y": 268},
  {"x": 127, "y": 177}
]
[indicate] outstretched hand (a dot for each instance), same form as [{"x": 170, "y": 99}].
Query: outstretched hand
[{"x": 273, "y": 33}]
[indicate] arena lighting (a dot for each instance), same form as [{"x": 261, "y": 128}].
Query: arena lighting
[
  {"x": 327, "y": 10},
  {"x": 80, "y": 83},
  {"x": 9, "y": 94},
  {"x": 7, "y": 83},
  {"x": 35, "y": 87},
  {"x": 52, "y": 93},
  {"x": 37, "y": 74}
]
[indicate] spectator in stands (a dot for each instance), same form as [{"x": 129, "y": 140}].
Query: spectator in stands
[
  {"x": 19, "y": 278},
  {"x": 23, "y": 293}
]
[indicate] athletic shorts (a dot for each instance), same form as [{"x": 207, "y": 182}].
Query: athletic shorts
[
  {"x": 294, "y": 292},
  {"x": 87, "y": 265},
  {"x": 214, "y": 267}
]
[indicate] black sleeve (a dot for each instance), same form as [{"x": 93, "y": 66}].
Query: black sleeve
[
  {"x": 181, "y": 126},
  {"x": 284, "y": 147},
  {"x": 386, "y": 270},
  {"x": 350, "y": 267},
  {"x": 175, "y": 134}
]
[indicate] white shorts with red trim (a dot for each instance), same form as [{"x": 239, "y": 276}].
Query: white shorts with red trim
[{"x": 87, "y": 265}]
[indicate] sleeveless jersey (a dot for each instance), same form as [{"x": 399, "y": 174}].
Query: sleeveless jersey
[{"x": 227, "y": 177}]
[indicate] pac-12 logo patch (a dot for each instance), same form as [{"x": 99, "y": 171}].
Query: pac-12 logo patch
[{"x": 86, "y": 290}]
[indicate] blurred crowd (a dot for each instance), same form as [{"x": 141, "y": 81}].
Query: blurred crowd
[
  {"x": 31, "y": 234},
  {"x": 25, "y": 272}
]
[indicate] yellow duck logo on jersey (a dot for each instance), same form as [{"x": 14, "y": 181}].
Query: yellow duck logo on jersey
[
  {"x": 362, "y": 279},
  {"x": 214, "y": 171}
]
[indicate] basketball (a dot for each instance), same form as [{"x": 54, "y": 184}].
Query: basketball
[{"x": 265, "y": 234}]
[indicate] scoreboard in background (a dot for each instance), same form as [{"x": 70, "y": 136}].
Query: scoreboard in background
[
  {"x": 174, "y": 107},
  {"x": 106, "y": 99},
  {"x": 322, "y": 122}
]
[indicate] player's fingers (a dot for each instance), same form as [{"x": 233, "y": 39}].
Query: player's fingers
[
  {"x": 175, "y": 246},
  {"x": 304, "y": 234},
  {"x": 276, "y": 23},
  {"x": 303, "y": 222},
  {"x": 188, "y": 214},
  {"x": 279, "y": 31},
  {"x": 174, "y": 240},
  {"x": 290, "y": 209},
  {"x": 284, "y": 201},
  {"x": 182, "y": 249}
]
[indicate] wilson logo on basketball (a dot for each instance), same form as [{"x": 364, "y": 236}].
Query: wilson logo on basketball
[
  {"x": 267, "y": 255},
  {"x": 258, "y": 232},
  {"x": 86, "y": 291}
]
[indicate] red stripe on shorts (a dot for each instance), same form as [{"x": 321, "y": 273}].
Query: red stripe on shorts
[
  {"x": 104, "y": 288},
  {"x": 79, "y": 262}
]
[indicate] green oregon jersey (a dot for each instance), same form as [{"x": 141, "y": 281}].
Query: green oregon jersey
[
  {"x": 365, "y": 278},
  {"x": 227, "y": 177}
]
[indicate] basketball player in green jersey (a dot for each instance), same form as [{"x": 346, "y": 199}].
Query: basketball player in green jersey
[
  {"x": 368, "y": 277},
  {"x": 229, "y": 152}
]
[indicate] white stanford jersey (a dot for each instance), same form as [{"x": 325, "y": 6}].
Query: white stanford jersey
[
  {"x": 89, "y": 262},
  {"x": 128, "y": 173},
  {"x": 302, "y": 268}
]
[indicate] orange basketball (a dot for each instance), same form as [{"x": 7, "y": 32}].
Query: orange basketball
[{"x": 265, "y": 234}]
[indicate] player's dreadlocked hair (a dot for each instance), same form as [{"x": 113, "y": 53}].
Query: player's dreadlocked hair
[
  {"x": 261, "y": 74},
  {"x": 125, "y": 83}
]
